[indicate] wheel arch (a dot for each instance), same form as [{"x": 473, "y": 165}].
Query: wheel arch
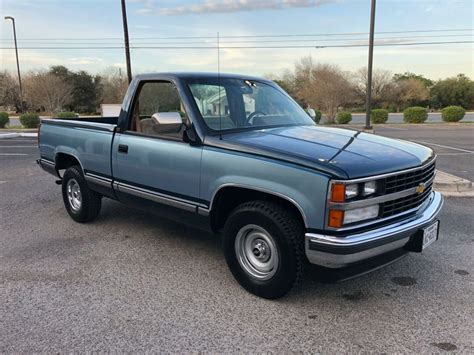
[
  {"x": 64, "y": 160},
  {"x": 229, "y": 196}
]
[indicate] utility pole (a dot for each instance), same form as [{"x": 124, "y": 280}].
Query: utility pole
[
  {"x": 17, "y": 61},
  {"x": 127, "y": 44},
  {"x": 368, "y": 105}
]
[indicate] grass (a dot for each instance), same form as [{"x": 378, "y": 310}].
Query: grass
[{"x": 14, "y": 127}]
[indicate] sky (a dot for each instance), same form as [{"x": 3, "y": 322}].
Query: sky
[{"x": 318, "y": 25}]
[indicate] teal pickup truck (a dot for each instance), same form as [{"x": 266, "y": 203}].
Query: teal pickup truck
[{"x": 236, "y": 155}]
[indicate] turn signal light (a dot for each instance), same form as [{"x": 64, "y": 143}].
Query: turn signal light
[
  {"x": 338, "y": 193},
  {"x": 336, "y": 218}
]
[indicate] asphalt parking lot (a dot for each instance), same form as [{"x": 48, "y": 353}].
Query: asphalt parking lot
[
  {"x": 454, "y": 144},
  {"x": 133, "y": 282}
]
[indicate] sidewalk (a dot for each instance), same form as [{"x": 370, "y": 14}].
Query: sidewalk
[
  {"x": 453, "y": 186},
  {"x": 30, "y": 133}
]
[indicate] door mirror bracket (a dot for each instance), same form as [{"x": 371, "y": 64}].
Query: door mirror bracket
[{"x": 190, "y": 136}]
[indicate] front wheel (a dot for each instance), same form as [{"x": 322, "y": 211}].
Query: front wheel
[
  {"x": 264, "y": 248},
  {"x": 82, "y": 204}
]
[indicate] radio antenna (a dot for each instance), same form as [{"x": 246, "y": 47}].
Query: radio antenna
[{"x": 219, "y": 84}]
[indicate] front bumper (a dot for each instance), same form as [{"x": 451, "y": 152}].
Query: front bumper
[{"x": 340, "y": 251}]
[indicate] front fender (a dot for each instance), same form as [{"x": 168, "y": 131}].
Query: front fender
[{"x": 305, "y": 188}]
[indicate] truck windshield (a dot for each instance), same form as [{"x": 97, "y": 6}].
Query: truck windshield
[{"x": 228, "y": 104}]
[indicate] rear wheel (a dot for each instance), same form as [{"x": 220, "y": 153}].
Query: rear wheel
[
  {"x": 82, "y": 204},
  {"x": 264, "y": 248}
]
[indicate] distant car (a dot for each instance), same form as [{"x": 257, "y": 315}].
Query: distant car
[
  {"x": 311, "y": 113},
  {"x": 236, "y": 155},
  {"x": 109, "y": 110}
]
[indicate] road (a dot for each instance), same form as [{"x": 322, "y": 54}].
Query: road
[
  {"x": 398, "y": 118},
  {"x": 133, "y": 282}
]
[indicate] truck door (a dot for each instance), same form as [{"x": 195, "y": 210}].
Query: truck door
[{"x": 150, "y": 160}]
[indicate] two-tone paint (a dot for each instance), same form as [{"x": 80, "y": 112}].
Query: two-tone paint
[{"x": 293, "y": 163}]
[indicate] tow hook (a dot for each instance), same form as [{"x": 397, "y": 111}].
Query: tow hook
[{"x": 59, "y": 182}]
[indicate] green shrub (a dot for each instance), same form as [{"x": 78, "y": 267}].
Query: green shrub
[
  {"x": 344, "y": 117},
  {"x": 453, "y": 113},
  {"x": 379, "y": 116},
  {"x": 415, "y": 114},
  {"x": 4, "y": 119},
  {"x": 30, "y": 120},
  {"x": 318, "y": 116},
  {"x": 67, "y": 114}
]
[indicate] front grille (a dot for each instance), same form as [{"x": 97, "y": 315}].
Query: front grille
[
  {"x": 403, "y": 182},
  {"x": 408, "y": 180}
]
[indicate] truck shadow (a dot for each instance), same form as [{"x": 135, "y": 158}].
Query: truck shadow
[{"x": 186, "y": 244}]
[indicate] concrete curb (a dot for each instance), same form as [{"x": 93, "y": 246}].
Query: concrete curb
[
  {"x": 451, "y": 185},
  {"x": 17, "y": 135}
]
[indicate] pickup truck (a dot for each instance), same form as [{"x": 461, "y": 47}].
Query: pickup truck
[{"x": 238, "y": 156}]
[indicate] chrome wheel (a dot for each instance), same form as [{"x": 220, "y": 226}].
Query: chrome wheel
[
  {"x": 74, "y": 194},
  {"x": 256, "y": 252}
]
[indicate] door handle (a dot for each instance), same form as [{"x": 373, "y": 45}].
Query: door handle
[{"x": 122, "y": 148}]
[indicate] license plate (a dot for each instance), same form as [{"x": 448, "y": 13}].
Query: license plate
[{"x": 430, "y": 235}]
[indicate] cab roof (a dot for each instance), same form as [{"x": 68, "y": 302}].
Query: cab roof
[{"x": 195, "y": 75}]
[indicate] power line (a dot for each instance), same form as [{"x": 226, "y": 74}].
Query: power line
[
  {"x": 250, "y": 47},
  {"x": 250, "y": 36},
  {"x": 278, "y": 41}
]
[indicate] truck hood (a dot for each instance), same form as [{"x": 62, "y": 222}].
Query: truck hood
[{"x": 343, "y": 153}]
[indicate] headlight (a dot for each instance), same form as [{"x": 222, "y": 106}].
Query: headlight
[
  {"x": 359, "y": 214},
  {"x": 344, "y": 195},
  {"x": 352, "y": 191},
  {"x": 370, "y": 187}
]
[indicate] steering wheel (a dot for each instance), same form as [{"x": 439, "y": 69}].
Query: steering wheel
[{"x": 252, "y": 115}]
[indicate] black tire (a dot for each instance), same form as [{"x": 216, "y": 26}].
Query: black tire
[
  {"x": 288, "y": 235},
  {"x": 90, "y": 202}
]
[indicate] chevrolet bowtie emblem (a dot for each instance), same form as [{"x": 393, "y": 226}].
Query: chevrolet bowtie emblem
[{"x": 420, "y": 188}]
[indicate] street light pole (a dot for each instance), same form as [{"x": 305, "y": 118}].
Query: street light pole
[
  {"x": 17, "y": 61},
  {"x": 368, "y": 105},
  {"x": 127, "y": 44}
]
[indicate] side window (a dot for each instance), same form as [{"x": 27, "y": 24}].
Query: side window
[
  {"x": 213, "y": 104},
  {"x": 158, "y": 100}
]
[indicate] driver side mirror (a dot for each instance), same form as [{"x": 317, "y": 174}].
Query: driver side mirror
[{"x": 167, "y": 122}]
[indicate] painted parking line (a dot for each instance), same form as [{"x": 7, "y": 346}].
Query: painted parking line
[
  {"x": 18, "y": 146},
  {"x": 26, "y": 140},
  {"x": 12, "y": 154},
  {"x": 447, "y": 146},
  {"x": 396, "y": 128},
  {"x": 454, "y": 153}
]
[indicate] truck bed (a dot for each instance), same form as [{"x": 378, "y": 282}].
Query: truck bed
[{"x": 89, "y": 140}]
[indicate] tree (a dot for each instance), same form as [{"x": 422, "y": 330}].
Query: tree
[
  {"x": 382, "y": 85},
  {"x": 407, "y": 92},
  {"x": 112, "y": 87},
  {"x": 61, "y": 71},
  {"x": 407, "y": 75},
  {"x": 457, "y": 91},
  {"x": 45, "y": 91},
  {"x": 86, "y": 92},
  {"x": 323, "y": 86},
  {"x": 285, "y": 81},
  {"x": 86, "y": 88},
  {"x": 9, "y": 91}
]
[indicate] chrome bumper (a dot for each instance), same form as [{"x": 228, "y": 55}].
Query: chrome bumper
[{"x": 339, "y": 251}]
